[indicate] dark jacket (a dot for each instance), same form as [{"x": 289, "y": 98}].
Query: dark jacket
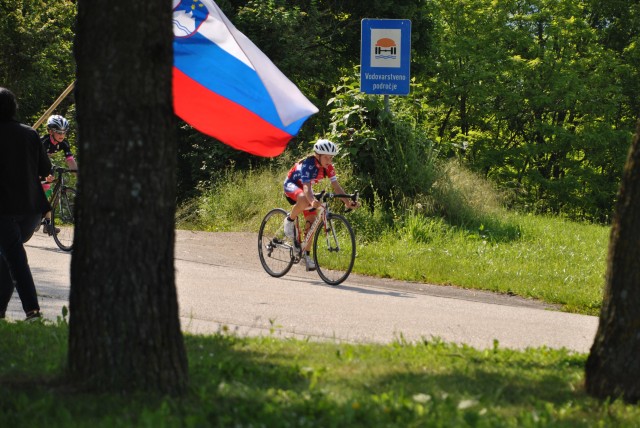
[{"x": 22, "y": 161}]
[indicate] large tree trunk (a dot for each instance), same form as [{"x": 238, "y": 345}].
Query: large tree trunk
[
  {"x": 124, "y": 332},
  {"x": 613, "y": 366}
]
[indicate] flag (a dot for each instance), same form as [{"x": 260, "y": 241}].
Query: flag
[{"x": 225, "y": 87}]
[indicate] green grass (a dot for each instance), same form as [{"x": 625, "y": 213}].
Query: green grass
[
  {"x": 459, "y": 236},
  {"x": 553, "y": 260},
  {"x": 278, "y": 383}
]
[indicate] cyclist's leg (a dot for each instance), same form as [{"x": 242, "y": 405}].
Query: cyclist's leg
[
  {"x": 301, "y": 207},
  {"x": 46, "y": 220},
  {"x": 296, "y": 196},
  {"x": 47, "y": 190}
]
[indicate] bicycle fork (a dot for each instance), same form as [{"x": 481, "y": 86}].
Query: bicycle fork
[{"x": 331, "y": 236}]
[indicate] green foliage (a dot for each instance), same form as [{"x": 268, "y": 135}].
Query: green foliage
[
  {"x": 540, "y": 96},
  {"x": 391, "y": 157},
  {"x": 269, "y": 382},
  {"x": 36, "y": 59},
  {"x": 311, "y": 42},
  {"x": 467, "y": 199},
  {"x": 237, "y": 201},
  {"x": 290, "y": 37},
  {"x": 527, "y": 95},
  {"x": 203, "y": 160}
]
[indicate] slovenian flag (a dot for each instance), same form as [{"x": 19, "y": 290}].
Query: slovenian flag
[{"x": 225, "y": 87}]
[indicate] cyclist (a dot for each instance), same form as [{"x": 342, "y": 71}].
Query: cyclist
[
  {"x": 55, "y": 141},
  {"x": 298, "y": 188}
]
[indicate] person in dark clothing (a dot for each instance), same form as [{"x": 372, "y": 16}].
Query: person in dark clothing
[{"x": 22, "y": 203}]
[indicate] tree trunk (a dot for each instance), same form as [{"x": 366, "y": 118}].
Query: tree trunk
[
  {"x": 613, "y": 367},
  {"x": 124, "y": 332}
]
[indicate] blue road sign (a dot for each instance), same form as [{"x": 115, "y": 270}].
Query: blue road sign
[{"x": 385, "y": 56}]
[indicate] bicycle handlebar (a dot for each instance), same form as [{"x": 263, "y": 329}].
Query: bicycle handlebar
[
  {"x": 325, "y": 196},
  {"x": 63, "y": 170},
  {"x": 58, "y": 170}
]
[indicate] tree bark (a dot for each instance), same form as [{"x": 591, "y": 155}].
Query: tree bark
[
  {"x": 124, "y": 332},
  {"x": 613, "y": 367}
]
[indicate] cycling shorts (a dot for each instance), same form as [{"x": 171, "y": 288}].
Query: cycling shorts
[
  {"x": 47, "y": 189},
  {"x": 292, "y": 192}
]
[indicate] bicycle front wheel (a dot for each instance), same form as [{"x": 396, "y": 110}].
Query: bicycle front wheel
[
  {"x": 62, "y": 219},
  {"x": 274, "y": 247},
  {"x": 334, "y": 250}
]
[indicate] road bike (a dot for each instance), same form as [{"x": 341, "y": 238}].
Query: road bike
[
  {"x": 63, "y": 201},
  {"x": 334, "y": 243}
]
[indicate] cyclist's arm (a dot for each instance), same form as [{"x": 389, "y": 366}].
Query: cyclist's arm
[
  {"x": 68, "y": 155},
  {"x": 71, "y": 163},
  {"x": 337, "y": 188},
  {"x": 307, "y": 189}
]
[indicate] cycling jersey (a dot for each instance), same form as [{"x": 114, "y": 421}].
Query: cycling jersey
[
  {"x": 308, "y": 171},
  {"x": 51, "y": 148}
]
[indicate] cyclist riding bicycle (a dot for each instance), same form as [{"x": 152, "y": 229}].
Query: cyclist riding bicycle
[
  {"x": 298, "y": 188},
  {"x": 55, "y": 141}
]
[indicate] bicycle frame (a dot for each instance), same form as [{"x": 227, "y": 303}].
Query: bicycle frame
[
  {"x": 61, "y": 201},
  {"x": 59, "y": 184},
  {"x": 320, "y": 217},
  {"x": 333, "y": 254},
  {"x": 55, "y": 193}
]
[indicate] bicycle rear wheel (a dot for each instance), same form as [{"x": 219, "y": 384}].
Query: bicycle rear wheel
[
  {"x": 334, "y": 250},
  {"x": 274, "y": 247},
  {"x": 62, "y": 219}
]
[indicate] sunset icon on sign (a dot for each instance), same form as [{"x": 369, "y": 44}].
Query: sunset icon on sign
[{"x": 386, "y": 48}]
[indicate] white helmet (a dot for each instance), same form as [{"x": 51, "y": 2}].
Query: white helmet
[
  {"x": 58, "y": 123},
  {"x": 325, "y": 147}
]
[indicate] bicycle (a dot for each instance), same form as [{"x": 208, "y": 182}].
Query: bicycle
[
  {"x": 334, "y": 244},
  {"x": 62, "y": 200}
]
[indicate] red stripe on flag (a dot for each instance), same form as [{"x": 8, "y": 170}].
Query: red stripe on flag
[{"x": 225, "y": 120}]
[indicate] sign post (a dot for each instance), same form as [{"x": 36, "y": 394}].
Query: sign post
[{"x": 385, "y": 56}]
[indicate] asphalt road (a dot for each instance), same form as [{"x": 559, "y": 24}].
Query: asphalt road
[{"x": 221, "y": 285}]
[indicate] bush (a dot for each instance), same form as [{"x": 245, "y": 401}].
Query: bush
[{"x": 390, "y": 156}]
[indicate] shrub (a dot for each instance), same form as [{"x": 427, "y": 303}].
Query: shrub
[{"x": 390, "y": 156}]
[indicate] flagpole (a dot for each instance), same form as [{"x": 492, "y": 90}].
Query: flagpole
[{"x": 62, "y": 96}]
